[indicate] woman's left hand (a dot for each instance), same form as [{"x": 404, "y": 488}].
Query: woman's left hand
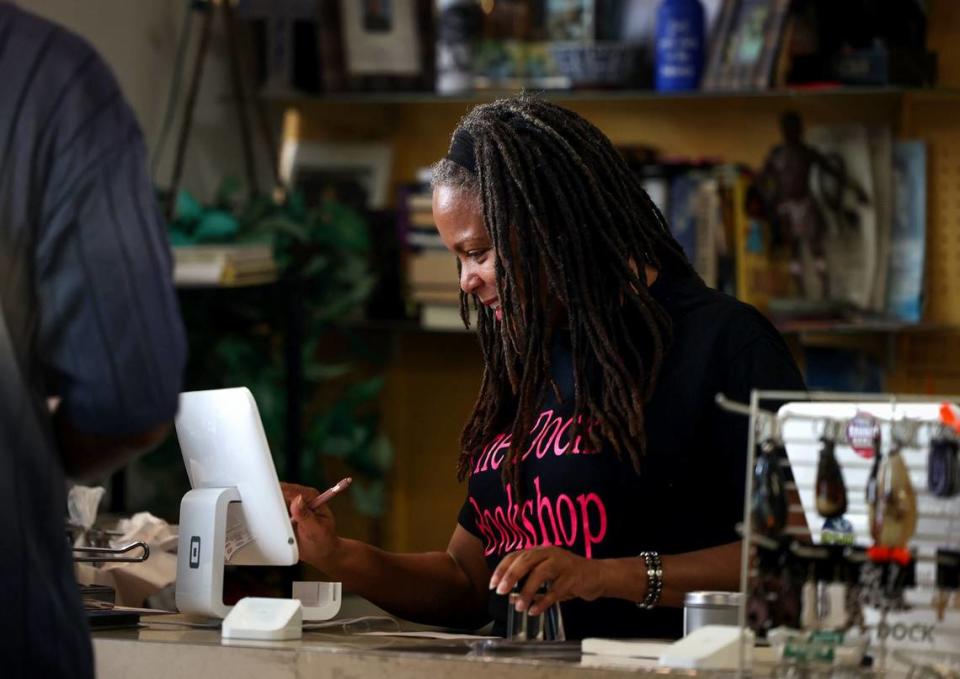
[{"x": 569, "y": 577}]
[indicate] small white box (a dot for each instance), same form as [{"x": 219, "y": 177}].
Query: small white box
[
  {"x": 320, "y": 600},
  {"x": 711, "y": 647},
  {"x": 264, "y": 619}
]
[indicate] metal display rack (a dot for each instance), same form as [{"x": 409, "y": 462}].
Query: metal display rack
[{"x": 907, "y": 421}]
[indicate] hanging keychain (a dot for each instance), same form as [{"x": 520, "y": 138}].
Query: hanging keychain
[
  {"x": 769, "y": 502},
  {"x": 872, "y": 481},
  {"x": 854, "y": 559},
  {"x": 943, "y": 468},
  {"x": 831, "y": 491},
  {"x": 948, "y": 579},
  {"x": 893, "y": 520}
]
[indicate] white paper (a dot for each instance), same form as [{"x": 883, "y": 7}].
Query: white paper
[
  {"x": 146, "y": 527},
  {"x": 237, "y": 535},
  {"x": 133, "y": 581},
  {"x": 82, "y": 505},
  {"x": 237, "y": 538},
  {"x": 624, "y": 648}
]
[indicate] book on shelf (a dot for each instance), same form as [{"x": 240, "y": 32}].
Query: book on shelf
[
  {"x": 745, "y": 45},
  {"x": 682, "y": 212},
  {"x": 711, "y": 242},
  {"x": 880, "y": 140},
  {"x": 851, "y": 241},
  {"x": 690, "y": 196},
  {"x": 223, "y": 265},
  {"x": 841, "y": 369},
  {"x": 444, "y": 317},
  {"x": 432, "y": 267},
  {"x": 774, "y": 32},
  {"x": 751, "y": 243},
  {"x": 420, "y": 202},
  {"x": 431, "y": 295},
  {"x": 904, "y": 291},
  {"x": 423, "y": 239},
  {"x": 421, "y": 219}
]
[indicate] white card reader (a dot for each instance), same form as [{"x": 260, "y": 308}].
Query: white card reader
[{"x": 264, "y": 619}]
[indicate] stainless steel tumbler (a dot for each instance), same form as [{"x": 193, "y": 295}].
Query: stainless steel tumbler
[{"x": 710, "y": 608}]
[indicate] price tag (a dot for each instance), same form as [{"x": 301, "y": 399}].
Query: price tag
[{"x": 862, "y": 432}]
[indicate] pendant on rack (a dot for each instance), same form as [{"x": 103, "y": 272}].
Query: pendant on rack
[
  {"x": 831, "y": 491},
  {"x": 947, "y": 580},
  {"x": 769, "y": 502},
  {"x": 885, "y": 576},
  {"x": 809, "y": 609},
  {"x": 893, "y": 516},
  {"x": 838, "y": 531},
  {"x": 872, "y": 481},
  {"x": 853, "y": 607},
  {"x": 853, "y": 560},
  {"x": 773, "y": 597},
  {"x": 943, "y": 467},
  {"x": 893, "y": 520}
]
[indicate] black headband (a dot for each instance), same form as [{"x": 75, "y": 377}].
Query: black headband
[
  {"x": 461, "y": 147},
  {"x": 461, "y": 151}
]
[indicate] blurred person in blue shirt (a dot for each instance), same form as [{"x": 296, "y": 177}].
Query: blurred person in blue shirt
[{"x": 88, "y": 313}]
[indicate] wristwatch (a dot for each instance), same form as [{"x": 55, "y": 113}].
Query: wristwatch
[{"x": 654, "y": 580}]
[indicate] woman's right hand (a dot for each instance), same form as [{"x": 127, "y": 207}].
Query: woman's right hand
[{"x": 316, "y": 529}]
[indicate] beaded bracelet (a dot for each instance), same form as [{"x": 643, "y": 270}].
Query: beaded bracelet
[{"x": 654, "y": 580}]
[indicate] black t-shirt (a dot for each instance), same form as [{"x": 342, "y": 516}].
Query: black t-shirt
[{"x": 689, "y": 494}]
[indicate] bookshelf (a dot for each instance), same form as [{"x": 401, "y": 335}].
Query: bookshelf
[
  {"x": 433, "y": 376},
  {"x": 652, "y": 96}
]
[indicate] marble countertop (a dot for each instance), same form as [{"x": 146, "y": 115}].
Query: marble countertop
[{"x": 165, "y": 651}]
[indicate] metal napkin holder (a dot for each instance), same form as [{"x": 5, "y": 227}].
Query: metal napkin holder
[{"x": 113, "y": 555}]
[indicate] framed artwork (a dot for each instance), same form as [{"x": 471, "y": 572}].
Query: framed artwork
[
  {"x": 570, "y": 19},
  {"x": 744, "y": 44},
  {"x": 356, "y": 174},
  {"x": 381, "y": 37}
]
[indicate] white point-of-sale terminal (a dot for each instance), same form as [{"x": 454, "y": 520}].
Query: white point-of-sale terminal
[{"x": 235, "y": 514}]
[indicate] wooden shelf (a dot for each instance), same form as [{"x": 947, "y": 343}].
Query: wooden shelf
[
  {"x": 865, "y": 326},
  {"x": 876, "y": 326},
  {"x": 479, "y": 96}
]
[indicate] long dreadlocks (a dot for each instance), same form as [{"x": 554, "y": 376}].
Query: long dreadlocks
[{"x": 569, "y": 222}]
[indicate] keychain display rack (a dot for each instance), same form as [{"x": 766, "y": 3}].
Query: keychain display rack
[{"x": 918, "y": 637}]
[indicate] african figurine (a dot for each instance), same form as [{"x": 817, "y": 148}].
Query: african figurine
[{"x": 785, "y": 183}]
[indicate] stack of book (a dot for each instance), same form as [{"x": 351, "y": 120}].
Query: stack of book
[
  {"x": 432, "y": 280},
  {"x": 223, "y": 265}
]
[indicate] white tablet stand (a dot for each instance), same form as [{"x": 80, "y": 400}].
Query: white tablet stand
[{"x": 201, "y": 558}]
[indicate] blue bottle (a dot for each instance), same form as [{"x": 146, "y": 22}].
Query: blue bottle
[{"x": 679, "y": 45}]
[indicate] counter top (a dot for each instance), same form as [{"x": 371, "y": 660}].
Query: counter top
[{"x": 161, "y": 652}]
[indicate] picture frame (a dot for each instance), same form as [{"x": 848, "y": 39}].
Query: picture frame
[
  {"x": 744, "y": 44},
  {"x": 375, "y": 46},
  {"x": 357, "y": 173},
  {"x": 380, "y": 37}
]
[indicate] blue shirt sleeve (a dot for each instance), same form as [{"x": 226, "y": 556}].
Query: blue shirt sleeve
[{"x": 109, "y": 326}]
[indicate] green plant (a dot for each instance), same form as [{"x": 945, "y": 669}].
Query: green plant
[{"x": 322, "y": 254}]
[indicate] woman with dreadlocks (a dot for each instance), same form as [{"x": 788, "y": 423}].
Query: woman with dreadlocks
[{"x": 598, "y": 463}]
